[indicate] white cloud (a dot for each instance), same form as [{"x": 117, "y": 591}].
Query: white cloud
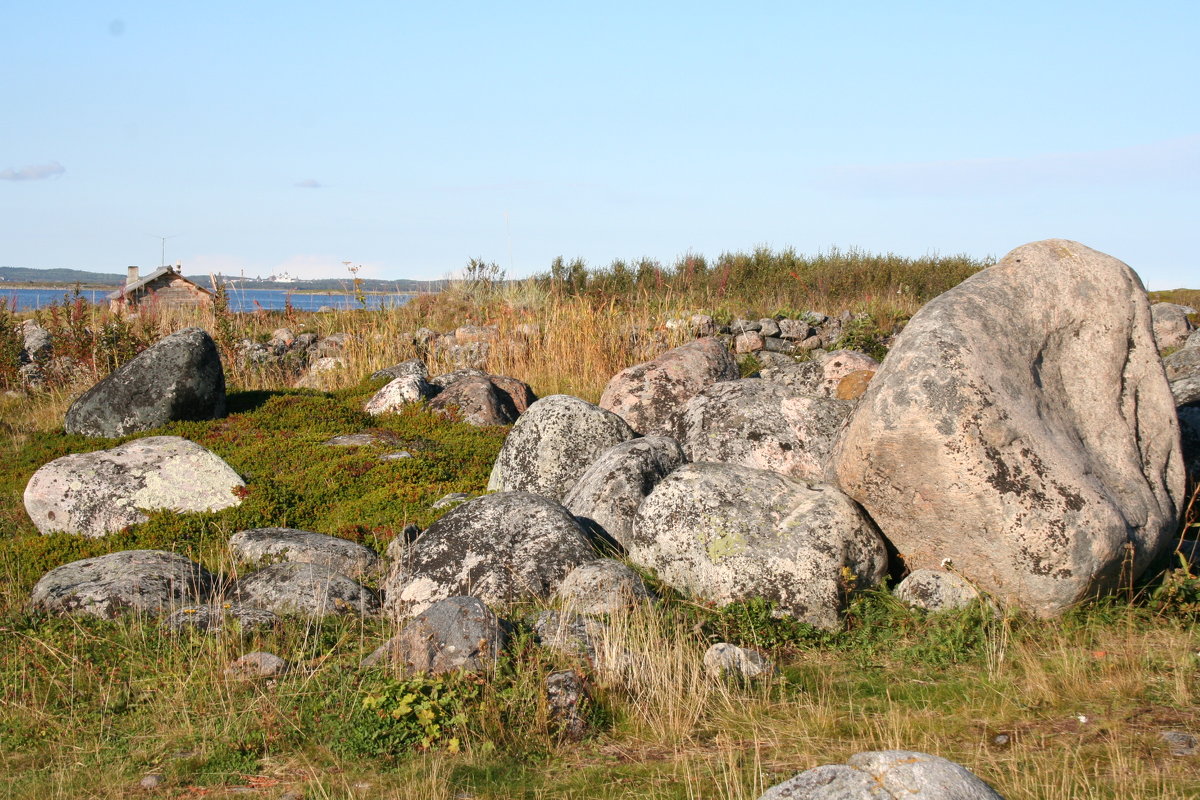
[
  {"x": 33, "y": 172},
  {"x": 310, "y": 183},
  {"x": 1168, "y": 164}
]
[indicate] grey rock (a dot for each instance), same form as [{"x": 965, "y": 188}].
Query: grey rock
[
  {"x": 322, "y": 373},
  {"x": 744, "y": 325},
  {"x": 364, "y": 439},
  {"x": 275, "y": 545},
  {"x": 702, "y": 325},
  {"x": 219, "y": 618},
  {"x": 152, "y": 781},
  {"x": 179, "y": 377},
  {"x": 38, "y": 343},
  {"x": 768, "y": 328},
  {"x": 1017, "y": 432},
  {"x": 458, "y": 633},
  {"x": 1171, "y": 324},
  {"x": 309, "y": 590},
  {"x": 764, "y": 425},
  {"x": 795, "y": 330},
  {"x": 499, "y": 548},
  {"x": 822, "y": 374},
  {"x": 571, "y": 634},
  {"x": 935, "y": 590},
  {"x": 650, "y": 396},
  {"x": 726, "y": 533},
  {"x": 724, "y": 659},
  {"x": 773, "y": 344},
  {"x": 553, "y": 444},
  {"x": 398, "y": 393},
  {"x": 768, "y": 359},
  {"x": 608, "y": 493},
  {"x": 477, "y": 401},
  {"x": 414, "y": 367},
  {"x": 1183, "y": 375},
  {"x": 143, "y": 581},
  {"x": 748, "y": 342},
  {"x": 256, "y": 665},
  {"x": 885, "y": 775},
  {"x": 104, "y": 491},
  {"x": 565, "y": 698},
  {"x": 399, "y": 455},
  {"x": 603, "y": 586},
  {"x": 1180, "y": 743}
]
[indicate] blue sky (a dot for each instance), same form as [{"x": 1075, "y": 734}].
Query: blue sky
[{"x": 409, "y": 137}]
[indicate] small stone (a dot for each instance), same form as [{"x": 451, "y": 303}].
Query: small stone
[
  {"x": 725, "y": 659},
  {"x": 256, "y": 665},
  {"x": 1181, "y": 743},
  {"x": 397, "y": 456},
  {"x": 152, "y": 782},
  {"x": 565, "y": 695}
]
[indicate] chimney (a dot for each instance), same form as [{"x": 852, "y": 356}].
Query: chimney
[{"x": 132, "y": 277}]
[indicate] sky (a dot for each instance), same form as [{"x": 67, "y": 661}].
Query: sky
[{"x": 406, "y": 138}]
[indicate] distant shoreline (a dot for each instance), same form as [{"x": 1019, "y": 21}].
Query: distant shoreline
[{"x": 108, "y": 287}]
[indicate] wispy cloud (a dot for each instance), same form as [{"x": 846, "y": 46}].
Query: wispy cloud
[
  {"x": 34, "y": 172},
  {"x": 310, "y": 183},
  {"x": 1168, "y": 164}
]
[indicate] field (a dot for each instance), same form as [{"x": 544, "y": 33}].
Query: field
[{"x": 1051, "y": 709}]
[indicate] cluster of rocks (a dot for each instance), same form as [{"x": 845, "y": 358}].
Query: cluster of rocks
[
  {"x": 304, "y": 356},
  {"x": 476, "y": 397}
]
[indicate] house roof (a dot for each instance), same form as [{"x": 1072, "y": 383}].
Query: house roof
[{"x": 158, "y": 273}]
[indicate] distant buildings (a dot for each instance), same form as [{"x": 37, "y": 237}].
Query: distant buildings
[{"x": 165, "y": 287}]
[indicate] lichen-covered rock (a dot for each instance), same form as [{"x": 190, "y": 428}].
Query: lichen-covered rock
[
  {"x": 603, "y": 586},
  {"x": 414, "y": 367},
  {"x": 398, "y": 393},
  {"x": 219, "y": 618},
  {"x": 885, "y": 775},
  {"x": 276, "y": 545},
  {"x": 608, "y": 493},
  {"x": 1183, "y": 375},
  {"x": 259, "y": 664},
  {"x": 499, "y": 548},
  {"x": 571, "y": 634},
  {"x": 728, "y": 660},
  {"x": 477, "y": 401},
  {"x": 823, "y": 374},
  {"x": 107, "y": 490},
  {"x": 310, "y": 590},
  {"x": 725, "y": 532},
  {"x": 1171, "y": 324},
  {"x": 458, "y": 633},
  {"x": 854, "y": 384},
  {"x": 1022, "y": 427},
  {"x": 935, "y": 590},
  {"x": 179, "y": 377},
  {"x": 650, "y": 396},
  {"x": 762, "y": 425},
  {"x": 565, "y": 696},
  {"x": 145, "y": 581},
  {"x": 322, "y": 373},
  {"x": 552, "y": 444}
]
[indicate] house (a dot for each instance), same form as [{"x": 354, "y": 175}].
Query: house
[{"x": 165, "y": 287}]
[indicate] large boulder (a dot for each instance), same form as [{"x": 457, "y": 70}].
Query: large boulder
[
  {"x": 309, "y": 590},
  {"x": 1171, "y": 324},
  {"x": 650, "y": 396},
  {"x": 1022, "y": 428},
  {"x": 499, "y": 548},
  {"x": 764, "y": 425},
  {"x": 727, "y": 533},
  {"x": 608, "y": 494},
  {"x": 458, "y": 633},
  {"x": 179, "y": 377},
  {"x": 885, "y": 775},
  {"x": 477, "y": 401},
  {"x": 277, "y": 545},
  {"x": 552, "y": 444},
  {"x": 603, "y": 586},
  {"x": 145, "y": 581},
  {"x": 397, "y": 393},
  {"x": 98, "y": 493}
]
